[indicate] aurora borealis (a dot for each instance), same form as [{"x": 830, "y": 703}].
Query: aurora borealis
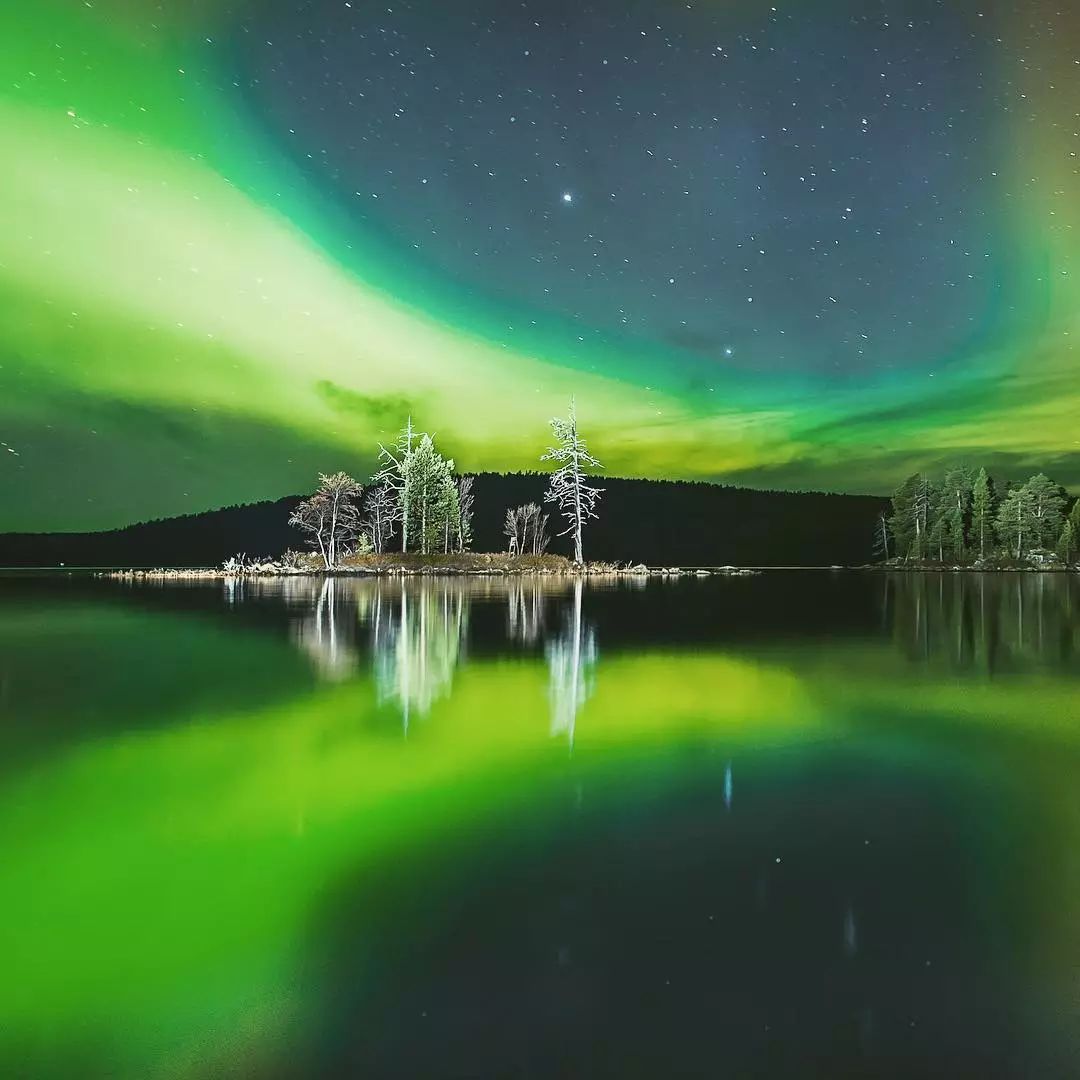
[{"x": 810, "y": 245}]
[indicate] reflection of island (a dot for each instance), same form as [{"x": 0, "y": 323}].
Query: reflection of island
[
  {"x": 414, "y": 631},
  {"x": 572, "y": 659},
  {"x": 986, "y": 622}
]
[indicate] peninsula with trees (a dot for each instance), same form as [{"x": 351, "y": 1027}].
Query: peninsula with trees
[{"x": 966, "y": 520}]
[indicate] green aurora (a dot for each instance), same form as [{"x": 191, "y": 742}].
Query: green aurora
[{"x": 187, "y": 322}]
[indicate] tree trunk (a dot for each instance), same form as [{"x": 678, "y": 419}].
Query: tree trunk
[
  {"x": 322, "y": 549},
  {"x": 423, "y": 520},
  {"x": 333, "y": 534},
  {"x": 577, "y": 511}
]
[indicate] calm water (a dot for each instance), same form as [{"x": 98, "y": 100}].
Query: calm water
[{"x": 801, "y": 824}]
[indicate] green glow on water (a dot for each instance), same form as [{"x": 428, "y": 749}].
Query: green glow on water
[
  {"x": 176, "y": 861},
  {"x": 162, "y": 878}
]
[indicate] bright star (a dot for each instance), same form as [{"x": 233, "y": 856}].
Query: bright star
[{"x": 567, "y": 197}]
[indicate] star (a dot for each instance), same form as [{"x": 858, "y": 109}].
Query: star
[{"x": 567, "y": 197}]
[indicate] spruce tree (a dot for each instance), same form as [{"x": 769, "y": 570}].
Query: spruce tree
[
  {"x": 427, "y": 478},
  {"x": 447, "y": 510},
  {"x": 982, "y": 513},
  {"x": 1066, "y": 545},
  {"x": 393, "y": 474},
  {"x": 1015, "y": 520},
  {"x": 1047, "y": 509},
  {"x": 956, "y": 509},
  {"x": 902, "y": 520}
]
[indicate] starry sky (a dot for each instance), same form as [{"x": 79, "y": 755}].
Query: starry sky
[{"x": 786, "y": 245}]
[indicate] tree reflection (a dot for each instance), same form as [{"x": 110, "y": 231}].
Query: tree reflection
[
  {"x": 985, "y": 622},
  {"x": 571, "y": 660},
  {"x": 525, "y": 609},
  {"x": 417, "y": 640},
  {"x": 415, "y": 629},
  {"x": 328, "y": 633}
]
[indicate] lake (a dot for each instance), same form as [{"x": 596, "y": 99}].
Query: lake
[{"x": 797, "y": 824}]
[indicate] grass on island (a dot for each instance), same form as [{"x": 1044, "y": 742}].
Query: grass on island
[{"x": 459, "y": 561}]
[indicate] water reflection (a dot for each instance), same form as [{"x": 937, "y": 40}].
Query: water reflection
[
  {"x": 525, "y": 609},
  {"x": 571, "y": 661},
  {"x": 894, "y": 895},
  {"x": 984, "y": 622},
  {"x": 413, "y": 631},
  {"x": 325, "y": 635},
  {"x": 416, "y": 628},
  {"x": 417, "y": 641}
]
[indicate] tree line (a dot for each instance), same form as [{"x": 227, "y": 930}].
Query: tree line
[
  {"x": 967, "y": 518},
  {"x": 417, "y": 494}
]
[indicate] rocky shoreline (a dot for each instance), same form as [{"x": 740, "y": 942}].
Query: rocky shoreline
[{"x": 260, "y": 570}]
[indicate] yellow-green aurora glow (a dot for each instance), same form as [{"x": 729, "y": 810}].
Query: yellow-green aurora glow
[
  {"x": 188, "y": 319},
  {"x": 173, "y": 844}
]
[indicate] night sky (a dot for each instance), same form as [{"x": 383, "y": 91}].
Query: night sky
[{"x": 803, "y": 245}]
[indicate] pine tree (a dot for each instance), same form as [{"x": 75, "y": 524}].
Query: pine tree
[
  {"x": 881, "y": 537},
  {"x": 922, "y": 508},
  {"x": 465, "y": 512},
  {"x": 982, "y": 513},
  {"x": 1066, "y": 545},
  {"x": 568, "y": 487},
  {"x": 393, "y": 474},
  {"x": 427, "y": 477},
  {"x": 1015, "y": 520},
  {"x": 956, "y": 509},
  {"x": 902, "y": 519},
  {"x": 1047, "y": 509},
  {"x": 1073, "y": 524},
  {"x": 447, "y": 509},
  {"x": 938, "y": 535}
]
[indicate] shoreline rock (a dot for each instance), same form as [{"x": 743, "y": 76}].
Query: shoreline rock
[{"x": 269, "y": 570}]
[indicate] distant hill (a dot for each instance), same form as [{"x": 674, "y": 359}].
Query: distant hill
[{"x": 660, "y": 522}]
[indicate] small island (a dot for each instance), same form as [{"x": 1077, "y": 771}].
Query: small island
[
  {"x": 415, "y": 518},
  {"x": 967, "y": 521}
]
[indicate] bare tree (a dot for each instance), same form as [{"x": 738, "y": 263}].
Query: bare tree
[
  {"x": 382, "y": 511},
  {"x": 526, "y": 530},
  {"x": 330, "y": 517},
  {"x": 536, "y": 532},
  {"x": 312, "y": 517},
  {"x": 568, "y": 487},
  {"x": 513, "y": 530},
  {"x": 343, "y": 494}
]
